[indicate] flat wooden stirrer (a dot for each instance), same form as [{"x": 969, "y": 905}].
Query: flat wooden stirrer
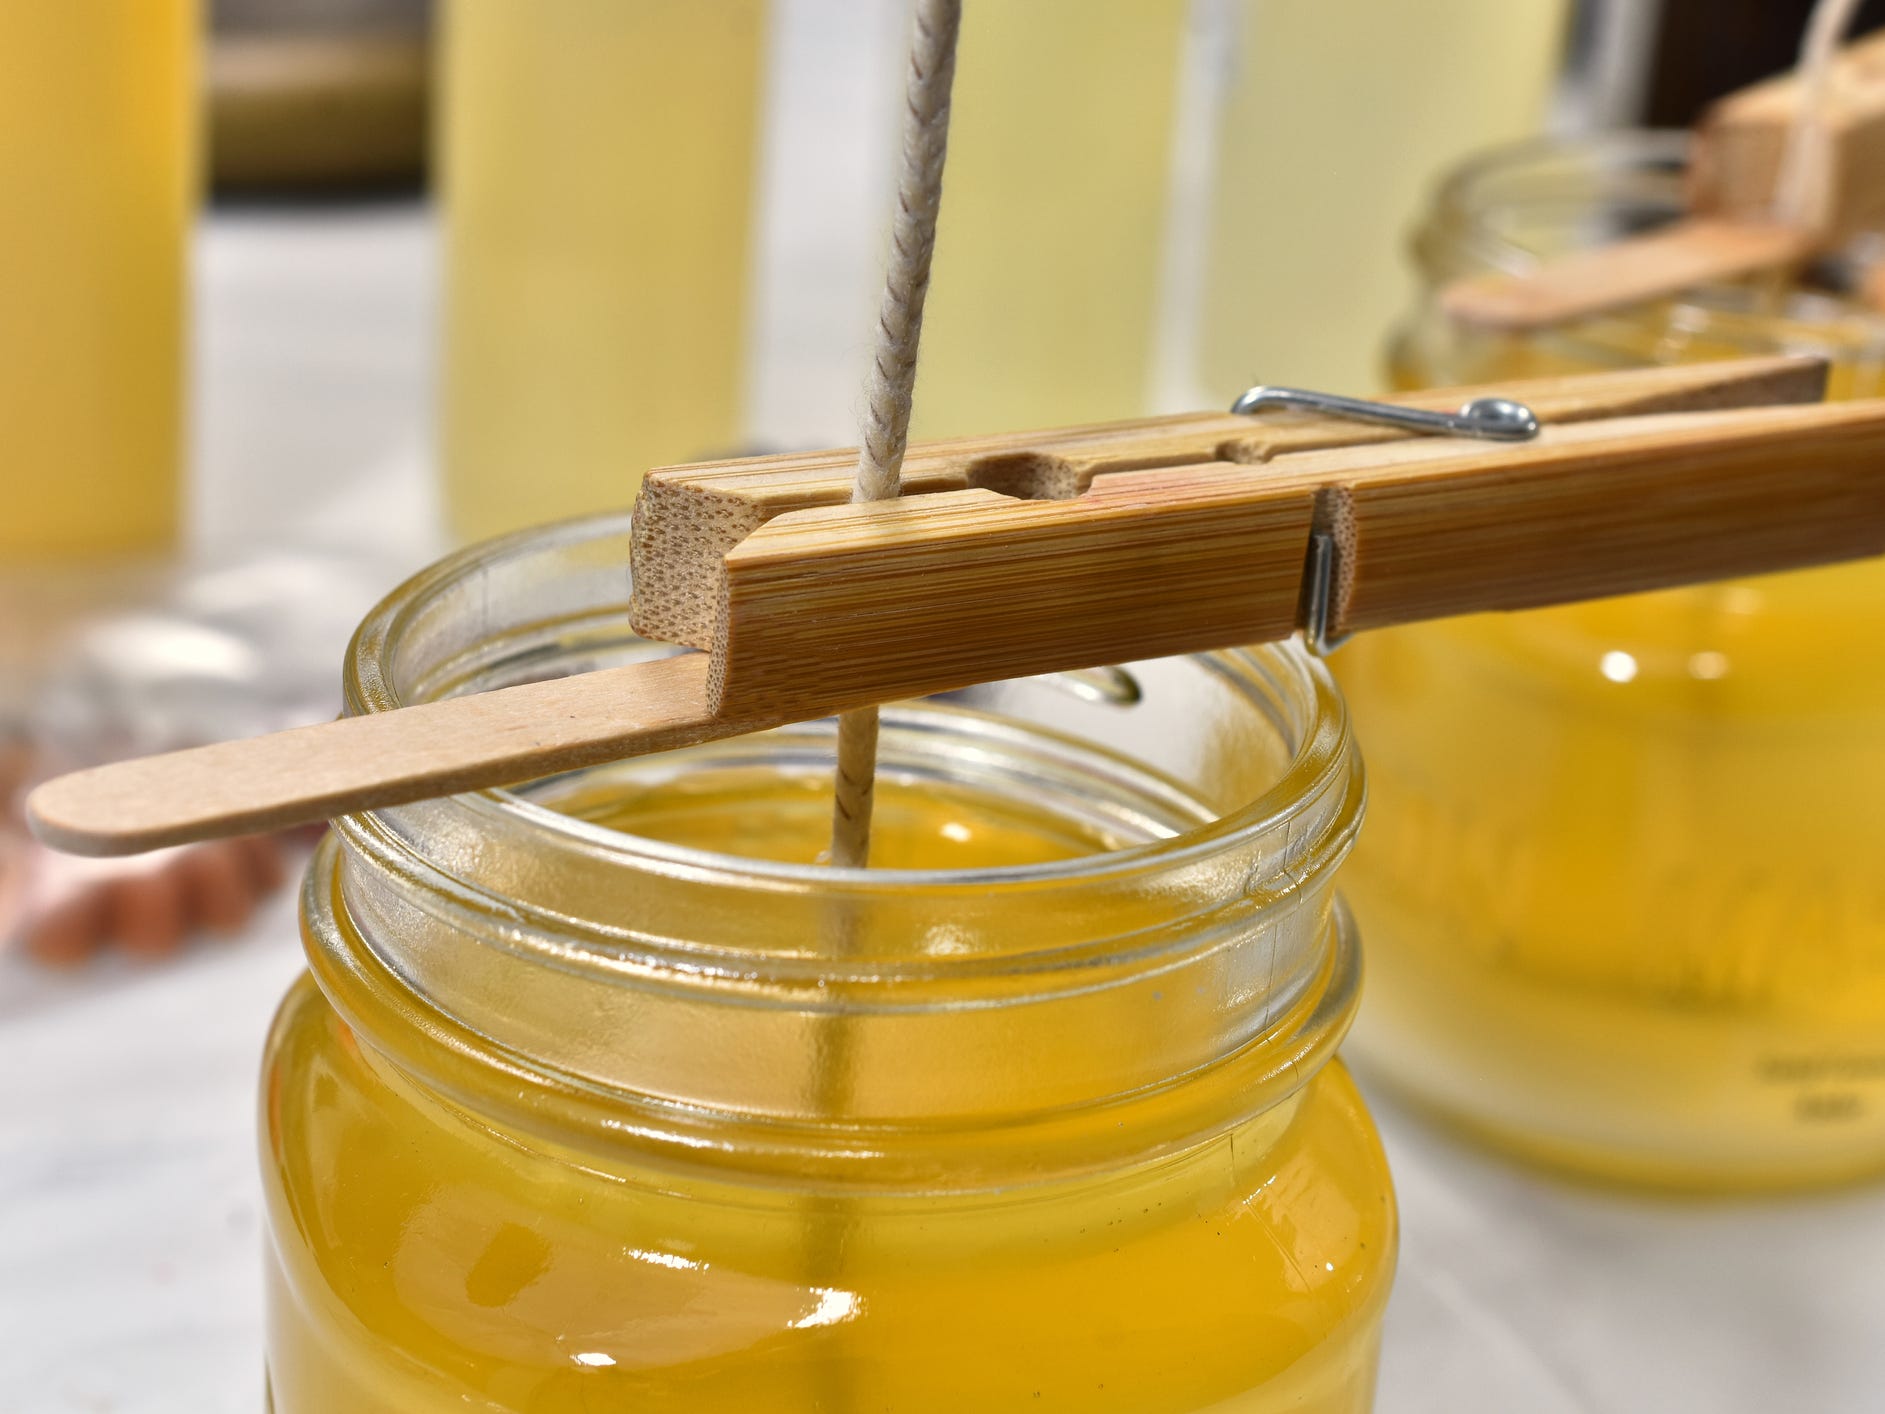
[
  {"x": 1703, "y": 250},
  {"x": 313, "y": 773},
  {"x": 1157, "y": 536}
]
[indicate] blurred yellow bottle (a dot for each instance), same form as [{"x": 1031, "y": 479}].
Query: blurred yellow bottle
[
  {"x": 1339, "y": 118},
  {"x": 1048, "y": 259},
  {"x": 598, "y": 171},
  {"x": 97, "y": 167}
]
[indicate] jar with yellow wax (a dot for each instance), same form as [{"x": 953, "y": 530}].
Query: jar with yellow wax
[
  {"x": 605, "y": 1093},
  {"x": 1621, "y": 885}
]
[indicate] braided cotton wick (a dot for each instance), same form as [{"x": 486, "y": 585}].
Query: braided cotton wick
[{"x": 887, "y": 392}]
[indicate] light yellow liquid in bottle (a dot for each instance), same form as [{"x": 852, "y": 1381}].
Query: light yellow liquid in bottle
[
  {"x": 1338, "y": 119},
  {"x": 1048, "y": 254},
  {"x": 1621, "y": 880},
  {"x": 426, "y": 1263},
  {"x": 597, "y": 162},
  {"x": 98, "y": 165}
]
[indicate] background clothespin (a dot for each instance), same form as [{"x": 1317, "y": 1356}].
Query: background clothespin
[
  {"x": 1052, "y": 551},
  {"x": 1779, "y": 172}
]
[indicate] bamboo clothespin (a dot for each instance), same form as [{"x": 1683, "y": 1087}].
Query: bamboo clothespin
[
  {"x": 1749, "y": 211},
  {"x": 1057, "y": 550}
]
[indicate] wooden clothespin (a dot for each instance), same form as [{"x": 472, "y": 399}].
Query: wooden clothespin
[
  {"x": 1048, "y": 551},
  {"x": 1747, "y": 148}
]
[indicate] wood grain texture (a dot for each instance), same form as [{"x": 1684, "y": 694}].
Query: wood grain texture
[
  {"x": 689, "y": 517},
  {"x": 847, "y": 602},
  {"x": 1691, "y": 253},
  {"x": 387, "y": 758}
]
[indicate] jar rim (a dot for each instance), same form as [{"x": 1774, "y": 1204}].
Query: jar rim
[
  {"x": 1319, "y": 755},
  {"x": 1660, "y": 152}
]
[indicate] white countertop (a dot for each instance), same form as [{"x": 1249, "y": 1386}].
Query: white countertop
[{"x": 129, "y": 1226}]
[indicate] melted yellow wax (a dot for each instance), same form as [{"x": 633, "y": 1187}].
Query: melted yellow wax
[{"x": 426, "y": 1260}]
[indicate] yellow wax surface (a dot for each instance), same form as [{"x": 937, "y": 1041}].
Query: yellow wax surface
[
  {"x": 1620, "y": 881},
  {"x": 597, "y": 164},
  {"x": 424, "y": 1261},
  {"x": 97, "y": 107},
  {"x": 940, "y": 826}
]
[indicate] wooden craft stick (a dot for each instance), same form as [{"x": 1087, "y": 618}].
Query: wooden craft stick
[
  {"x": 1154, "y": 537},
  {"x": 383, "y": 758},
  {"x": 1698, "y": 251}
]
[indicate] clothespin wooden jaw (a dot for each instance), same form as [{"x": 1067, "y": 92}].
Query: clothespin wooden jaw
[
  {"x": 1092, "y": 545},
  {"x": 1744, "y": 218}
]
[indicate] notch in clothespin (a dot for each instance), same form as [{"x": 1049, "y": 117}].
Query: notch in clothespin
[
  {"x": 1777, "y": 175},
  {"x": 1049, "y": 551}
]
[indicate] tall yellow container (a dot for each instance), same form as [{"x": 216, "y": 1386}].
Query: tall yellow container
[
  {"x": 98, "y": 124},
  {"x": 597, "y": 162},
  {"x": 1340, "y": 114},
  {"x": 1044, "y": 301}
]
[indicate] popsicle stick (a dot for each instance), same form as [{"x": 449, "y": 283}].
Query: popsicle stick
[
  {"x": 689, "y": 517},
  {"x": 1698, "y": 251},
  {"x": 381, "y": 759}
]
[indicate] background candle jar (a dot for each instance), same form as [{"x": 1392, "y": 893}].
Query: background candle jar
[
  {"x": 604, "y": 1093},
  {"x": 1621, "y": 884}
]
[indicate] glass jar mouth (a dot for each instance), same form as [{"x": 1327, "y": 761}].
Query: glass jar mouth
[
  {"x": 1205, "y": 956},
  {"x": 1320, "y": 757},
  {"x": 1642, "y": 170}
]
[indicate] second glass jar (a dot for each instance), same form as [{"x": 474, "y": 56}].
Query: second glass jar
[{"x": 1621, "y": 882}]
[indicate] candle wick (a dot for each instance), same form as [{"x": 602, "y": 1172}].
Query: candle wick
[{"x": 889, "y": 387}]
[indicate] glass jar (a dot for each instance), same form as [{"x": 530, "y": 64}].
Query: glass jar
[
  {"x": 1621, "y": 885},
  {"x": 571, "y": 1118}
]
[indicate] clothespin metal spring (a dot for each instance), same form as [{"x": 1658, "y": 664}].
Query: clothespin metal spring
[{"x": 1493, "y": 419}]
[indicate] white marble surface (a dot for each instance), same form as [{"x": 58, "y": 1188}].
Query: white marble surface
[{"x": 129, "y": 1267}]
